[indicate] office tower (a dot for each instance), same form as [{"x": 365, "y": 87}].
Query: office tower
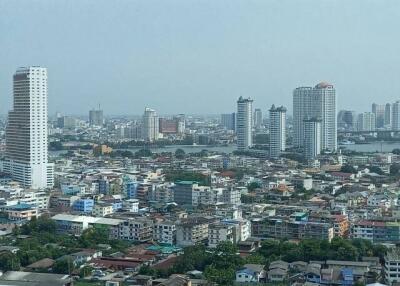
[
  {"x": 312, "y": 137},
  {"x": 379, "y": 111},
  {"x": 346, "y": 120},
  {"x": 96, "y": 117},
  {"x": 388, "y": 115},
  {"x": 319, "y": 102},
  {"x": 366, "y": 121},
  {"x": 277, "y": 131},
  {"x": 257, "y": 118},
  {"x": 26, "y": 133},
  {"x": 150, "y": 125},
  {"x": 228, "y": 121},
  {"x": 396, "y": 115},
  {"x": 244, "y": 122}
]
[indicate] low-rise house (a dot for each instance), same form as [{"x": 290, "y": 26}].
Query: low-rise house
[{"x": 251, "y": 273}]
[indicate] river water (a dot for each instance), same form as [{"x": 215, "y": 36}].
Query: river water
[{"x": 371, "y": 147}]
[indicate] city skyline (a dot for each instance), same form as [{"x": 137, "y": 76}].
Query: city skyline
[{"x": 164, "y": 62}]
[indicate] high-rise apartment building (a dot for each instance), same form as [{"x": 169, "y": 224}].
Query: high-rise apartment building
[
  {"x": 388, "y": 115},
  {"x": 312, "y": 137},
  {"x": 228, "y": 121},
  {"x": 277, "y": 131},
  {"x": 257, "y": 118},
  {"x": 96, "y": 117},
  {"x": 320, "y": 102},
  {"x": 366, "y": 121},
  {"x": 150, "y": 125},
  {"x": 396, "y": 115},
  {"x": 244, "y": 123},
  {"x": 347, "y": 120},
  {"x": 379, "y": 111},
  {"x": 26, "y": 133}
]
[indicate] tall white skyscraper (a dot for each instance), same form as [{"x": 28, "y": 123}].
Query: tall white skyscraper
[
  {"x": 150, "y": 125},
  {"x": 257, "y": 118},
  {"x": 319, "y": 102},
  {"x": 277, "y": 131},
  {"x": 312, "y": 137},
  {"x": 26, "y": 133},
  {"x": 244, "y": 123}
]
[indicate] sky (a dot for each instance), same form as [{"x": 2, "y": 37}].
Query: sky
[{"x": 199, "y": 56}]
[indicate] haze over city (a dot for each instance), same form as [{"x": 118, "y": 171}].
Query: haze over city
[{"x": 178, "y": 56}]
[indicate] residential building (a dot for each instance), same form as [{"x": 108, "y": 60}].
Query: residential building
[
  {"x": 277, "y": 131},
  {"x": 192, "y": 231},
  {"x": 164, "y": 232},
  {"x": 26, "y": 157},
  {"x": 136, "y": 229},
  {"x": 96, "y": 117},
  {"x": 312, "y": 137},
  {"x": 388, "y": 115},
  {"x": 392, "y": 266},
  {"x": 251, "y": 273},
  {"x": 244, "y": 123},
  {"x": 379, "y": 111},
  {"x": 228, "y": 121},
  {"x": 150, "y": 125},
  {"x": 366, "y": 121},
  {"x": 319, "y": 102},
  {"x": 396, "y": 115},
  {"x": 258, "y": 120},
  {"x": 83, "y": 205},
  {"x": 218, "y": 232}
]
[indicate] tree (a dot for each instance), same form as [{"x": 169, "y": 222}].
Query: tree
[
  {"x": 180, "y": 154},
  {"x": 394, "y": 169},
  {"x": 143, "y": 153},
  {"x": 9, "y": 261},
  {"x": 377, "y": 170},
  {"x": 63, "y": 266},
  {"x": 85, "y": 271},
  {"x": 253, "y": 185},
  {"x": 348, "y": 169},
  {"x": 396, "y": 151}
]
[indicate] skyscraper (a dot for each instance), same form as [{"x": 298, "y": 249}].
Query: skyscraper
[
  {"x": 228, "y": 121},
  {"x": 26, "y": 133},
  {"x": 396, "y": 115},
  {"x": 277, "y": 131},
  {"x": 312, "y": 137},
  {"x": 388, "y": 115},
  {"x": 244, "y": 122},
  {"x": 150, "y": 125},
  {"x": 366, "y": 121},
  {"x": 96, "y": 117},
  {"x": 257, "y": 118},
  {"x": 319, "y": 102},
  {"x": 379, "y": 111},
  {"x": 347, "y": 120}
]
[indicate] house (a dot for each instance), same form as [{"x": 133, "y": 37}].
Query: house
[
  {"x": 278, "y": 271},
  {"x": 43, "y": 264},
  {"x": 251, "y": 273}
]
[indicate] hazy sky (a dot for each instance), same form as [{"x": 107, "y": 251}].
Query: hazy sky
[{"x": 187, "y": 56}]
